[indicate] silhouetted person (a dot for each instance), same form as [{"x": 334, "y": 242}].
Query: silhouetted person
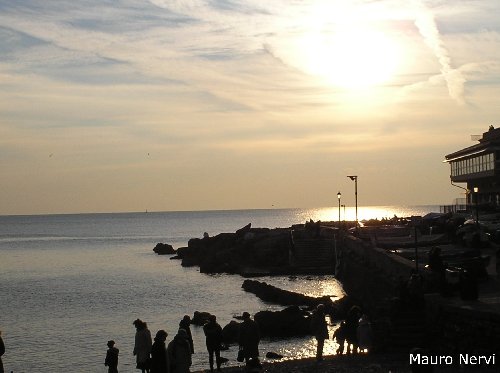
[
  {"x": 111, "y": 360},
  {"x": 142, "y": 346},
  {"x": 365, "y": 333},
  {"x": 159, "y": 356},
  {"x": 213, "y": 334},
  {"x": 179, "y": 353},
  {"x": 2, "y": 351},
  {"x": 319, "y": 329},
  {"x": 340, "y": 336},
  {"x": 249, "y": 338},
  {"x": 185, "y": 324},
  {"x": 438, "y": 268},
  {"x": 352, "y": 323}
]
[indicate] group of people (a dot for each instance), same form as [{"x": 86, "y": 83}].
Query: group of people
[
  {"x": 158, "y": 357},
  {"x": 355, "y": 330}
]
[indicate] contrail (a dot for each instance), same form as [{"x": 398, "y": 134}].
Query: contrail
[{"x": 427, "y": 27}]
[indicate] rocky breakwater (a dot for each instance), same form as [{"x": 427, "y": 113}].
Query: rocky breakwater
[
  {"x": 248, "y": 248},
  {"x": 336, "y": 309}
]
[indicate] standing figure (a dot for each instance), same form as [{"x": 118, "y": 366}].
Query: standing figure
[
  {"x": 365, "y": 333},
  {"x": 185, "y": 324},
  {"x": 111, "y": 360},
  {"x": 159, "y": 356},
  {"x": 143, "y": 344},
  {"x": 2, "y": 351},
  {"x": 179, "y": 353},
  {"x": 319, "y": 329},
  {"x": 249, "y": 338},
  {"x": 340, "y": 336},
  {"x": 213, "y": 334},
  {"x": 351, "y": 323}
]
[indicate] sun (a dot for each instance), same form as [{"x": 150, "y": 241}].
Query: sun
[{"x": 350, "y": 56}]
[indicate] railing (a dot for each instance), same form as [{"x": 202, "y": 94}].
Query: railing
[{"x": 459, "y": 205}]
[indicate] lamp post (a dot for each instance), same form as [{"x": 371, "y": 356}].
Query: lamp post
[
  {"x": 476, "y": 192},
  {"x": 344, "y": 210},
  {"x": 355, "y": 179},
  {"x": 338, "y": 196}
]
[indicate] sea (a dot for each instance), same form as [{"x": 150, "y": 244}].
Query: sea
[{"x": 69, "y": 283}]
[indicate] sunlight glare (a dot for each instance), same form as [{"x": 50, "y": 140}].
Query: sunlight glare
[{"x": 350, "y": 56}]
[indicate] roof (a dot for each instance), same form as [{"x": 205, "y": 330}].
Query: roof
[{"x": 489, "y": 141}]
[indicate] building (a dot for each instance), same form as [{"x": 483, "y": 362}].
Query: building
[{"x": 479, "y": 167}]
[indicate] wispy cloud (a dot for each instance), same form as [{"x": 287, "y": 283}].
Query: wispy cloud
[
  {"x": 427, "y": 26},
  {"x": 227, "y": 85}
]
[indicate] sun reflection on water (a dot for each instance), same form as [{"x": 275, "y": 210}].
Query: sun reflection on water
[{"x": 364, "y": 212}]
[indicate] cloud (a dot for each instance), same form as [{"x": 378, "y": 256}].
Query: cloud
[{"x": 427, "y": 26}]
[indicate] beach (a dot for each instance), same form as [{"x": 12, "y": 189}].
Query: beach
[
  {"x": 362, "y": 363},
  {"x": 359, "y": 363}
]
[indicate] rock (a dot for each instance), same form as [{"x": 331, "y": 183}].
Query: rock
[
  {"x": 230, "y": 332},
  {"x": 200, "y": 318},
  {"x": 270, "y": 293},
  {"x": 244, "y": 230},
  {"x": 163, "y": 249},
  {"x": 290, "y": 322},
  {"x": 273, "y": 355},
  {"x": 223, "y": 360}
]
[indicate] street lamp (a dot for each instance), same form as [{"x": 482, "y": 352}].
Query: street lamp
[
  {"x": 476, "y": 192},
  {"x": 355, "y": 179},
  {"x": 344, "y": 210},
  {"x": 338, "y": 196}
]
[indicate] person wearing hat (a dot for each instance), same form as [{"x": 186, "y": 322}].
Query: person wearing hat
[
  {"x": 159, "y": 356},
  {"x": 213, "y": 334},
  {"x": 319, "y": 329},
  {"x": 249, "y": 338},
  {"x": 111, "y": 360},
  {"x": 179, "y": 353}
]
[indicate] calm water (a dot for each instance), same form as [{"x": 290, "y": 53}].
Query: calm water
[{"x": 69, "y": 283}]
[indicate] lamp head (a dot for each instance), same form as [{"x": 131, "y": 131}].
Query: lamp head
[
  {"x": 338, "y": 195},
  {"x": 352, "y": 177}
]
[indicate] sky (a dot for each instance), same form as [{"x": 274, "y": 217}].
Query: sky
[{"x": 134, "y": 105}]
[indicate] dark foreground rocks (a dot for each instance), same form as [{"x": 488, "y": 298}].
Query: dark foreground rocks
[
  {"x": 235, "y": 252},
  {"x": 336, "y": 309},
  {"x": 164, "y": 249}
]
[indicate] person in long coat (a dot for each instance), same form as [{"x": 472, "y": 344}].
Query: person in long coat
[
  {"x": 142, "y": 346},
  {"x": 159, "y": 357},
  {"x": 213, "y": 335},
  {"x": 185, "y": 324},
  {"x": 319, "y": 329},
  {"x": 179, "y": 353},
  {"x": 249, "y": 338}
]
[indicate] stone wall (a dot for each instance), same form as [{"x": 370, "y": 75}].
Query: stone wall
[{"x": 370, "y": 275}]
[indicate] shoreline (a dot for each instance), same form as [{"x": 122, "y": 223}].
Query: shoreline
[
  {"x": 332, "y": 364},
  {"x": 356, "y": 363}
]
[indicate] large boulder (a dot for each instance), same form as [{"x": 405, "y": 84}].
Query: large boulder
[
  {"x": 164, "y": 249},
  {"x": 230, "y": 332},
  {"x": 270, "y": 293},
  {"x": 290, "y": 322}
]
